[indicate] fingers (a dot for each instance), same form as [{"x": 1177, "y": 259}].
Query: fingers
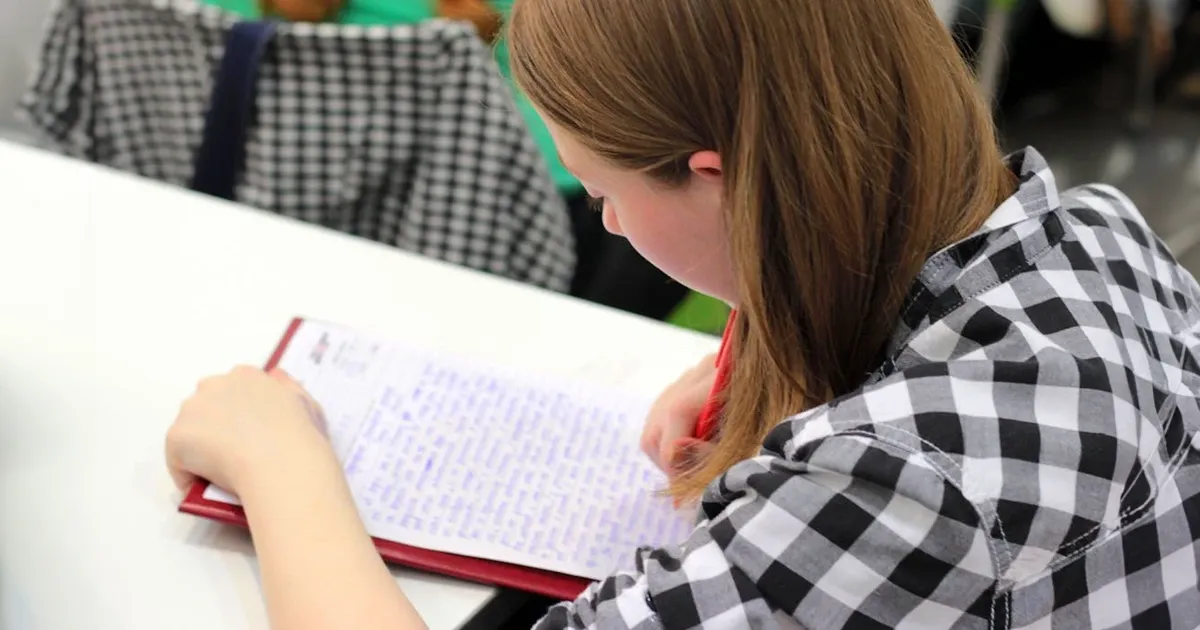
[
  {"x": 208, "y": 384},
  {"x": 686, "y": 453},
  {"x": 709, "y": 362},
  {"x": 315, "y": 412},
  {"x": 183, "y": 479},
  {"x": 216, "y": 382},
  {"x": 248, "y": 372},
  {"x": 684, "y": 416},
  {"x": 293, "y": 385},
  {"x": 668, "y": 444},
  {"x": 704, "y": 370},
  {"x": 279, "y": 374},
  {"x": 675, "y": 414},
  {"x": 693, "y": 397},
  {"x": 228, "y": 414},
  {"x": 651, "y": 438}
]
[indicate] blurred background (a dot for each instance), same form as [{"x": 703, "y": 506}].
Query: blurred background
[{"x": 1108, "y": 90}]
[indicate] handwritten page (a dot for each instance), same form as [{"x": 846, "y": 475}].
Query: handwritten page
[{"x": 459, "y": 456}]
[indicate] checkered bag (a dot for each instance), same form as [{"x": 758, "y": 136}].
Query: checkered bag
[{"x": 405, "y": 135}]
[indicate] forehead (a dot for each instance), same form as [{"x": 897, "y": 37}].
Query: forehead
[
  {"x": 562, "y": 139},
  {"x": 571, "y": 153}
]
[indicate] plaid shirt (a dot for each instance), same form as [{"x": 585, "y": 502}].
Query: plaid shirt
[{"x": 1028, "y": 457}]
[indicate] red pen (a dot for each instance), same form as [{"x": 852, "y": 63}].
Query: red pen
[
  {"x": 706, "y": 425},
  {"x": 710, "y": 413}
]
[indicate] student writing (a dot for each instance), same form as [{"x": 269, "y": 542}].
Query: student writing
[{"x": 959, "y": 397}]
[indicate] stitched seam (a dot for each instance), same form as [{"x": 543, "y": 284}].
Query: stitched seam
[
  {"x": 999, "y": 592},
  {"x": 991, "y": 512},
  {"x": 940, "y": 264},
  {"x": 944, "y": 312},
  {"x": 1142, "y": 470},
  {"x": 1050, "y": 568},
  {"x": 1125, "y": 517},
  {"x": 1030, "y": 262},
  {"x": 941, "y": 472}
]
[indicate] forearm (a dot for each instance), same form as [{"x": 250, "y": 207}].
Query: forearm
[{"x": 319, "y": 568}]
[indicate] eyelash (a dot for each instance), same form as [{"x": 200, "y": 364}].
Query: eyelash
[{"x": 596, "y": 203}]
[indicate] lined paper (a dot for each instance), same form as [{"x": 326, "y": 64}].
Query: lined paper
[{"x": 454, "y": 455}]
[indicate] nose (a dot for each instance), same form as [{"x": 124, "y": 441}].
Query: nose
[{"x": 609, "y": 218}]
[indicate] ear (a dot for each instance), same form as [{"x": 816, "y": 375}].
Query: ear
[{"x": 706, "y": 164}]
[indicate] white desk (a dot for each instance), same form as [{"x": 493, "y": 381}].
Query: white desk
[{"x": 117, "y": 294}]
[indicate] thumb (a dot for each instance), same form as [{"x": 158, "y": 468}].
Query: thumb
[
  {"x": 675, "y": 434},
  {"x": 183, "y": 480},
  {"x": 172, "y": 446},
  {"x": 180, "y": 475},
  {"x": 685, "y": 415}
]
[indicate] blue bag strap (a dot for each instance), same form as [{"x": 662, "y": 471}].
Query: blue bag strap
[{"x": 222, "y": 152}]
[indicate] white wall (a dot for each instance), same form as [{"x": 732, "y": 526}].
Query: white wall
[{"x": 21, "y": 24}]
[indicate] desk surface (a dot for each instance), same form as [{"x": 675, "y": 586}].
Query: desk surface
[{"x": 117, "y": 294}]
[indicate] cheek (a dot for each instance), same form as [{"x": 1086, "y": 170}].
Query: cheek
[
  {"x": 610, "y": 220},
  {"x": 687, "y": 245},
  {"x": 656, "y": 228}
]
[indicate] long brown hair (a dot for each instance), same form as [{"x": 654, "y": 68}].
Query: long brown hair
[{"x": 854, "y": 144}]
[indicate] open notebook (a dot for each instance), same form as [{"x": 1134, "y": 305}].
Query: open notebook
[{"x": 528, "y": 481}]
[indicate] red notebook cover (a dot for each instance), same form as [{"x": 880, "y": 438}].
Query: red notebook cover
[{"x": 539, "y": 581}]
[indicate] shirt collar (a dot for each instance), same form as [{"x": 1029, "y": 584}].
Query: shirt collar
[
  {"x": 1006, "y": 240},
  {"x": 1036, "y": 194}
]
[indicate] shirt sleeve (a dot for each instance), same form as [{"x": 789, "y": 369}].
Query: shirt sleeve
[{"x": 849, "y": 532}]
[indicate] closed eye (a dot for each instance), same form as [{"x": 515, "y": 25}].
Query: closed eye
[{"x": 596, "y": 203}]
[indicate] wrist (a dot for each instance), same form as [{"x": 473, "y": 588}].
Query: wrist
[{"x": 306, "y": 463}]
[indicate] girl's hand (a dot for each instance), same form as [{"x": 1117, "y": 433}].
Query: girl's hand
[
  {"x": 257, "y": 435},
  {"x": 241, "y": 424},
  {"x": 671, "y": 423}
]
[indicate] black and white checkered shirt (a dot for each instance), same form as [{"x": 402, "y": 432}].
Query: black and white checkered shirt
[
  {"x": 1029, "y": 457},
  {"x": 406, "y": 135}
]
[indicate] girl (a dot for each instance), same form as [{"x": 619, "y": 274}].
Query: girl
[{"x": 957, "y": 397}]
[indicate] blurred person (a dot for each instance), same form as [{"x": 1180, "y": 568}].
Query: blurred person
[{"x": 608, "y": 271}]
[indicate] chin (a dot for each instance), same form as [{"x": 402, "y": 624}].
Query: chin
[
  {"x": 711, "y": 289},
  {"x": 716, "y": 283}
]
